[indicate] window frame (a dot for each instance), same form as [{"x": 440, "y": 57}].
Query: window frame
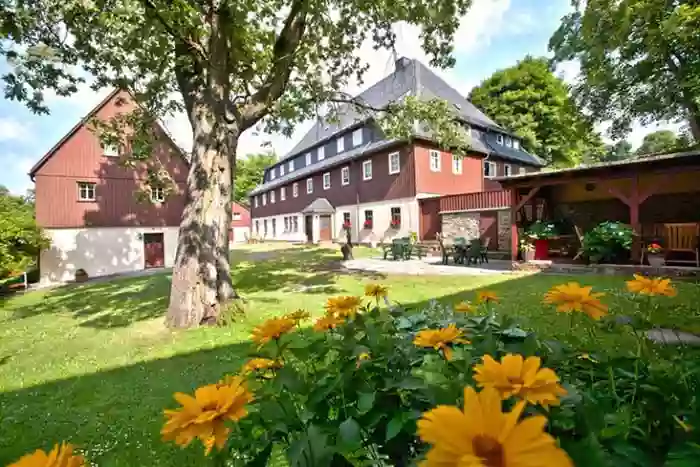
[
  {"x": 272, "y": 173},
  {"x": 432, "y": 153},
  {"x": 308, "y": 159},
  {"x": 321, "y": 154},
  {"x": 343, "y": 172},
  {"x": 290, "y": 166},
  {"x": 109, "y": 150},
  {"x": 499, "y": 139},
  {"x": 264, "y": 199},
  {"x": 395, "y": 215},
  {"x": 256, "y": 201},
  {"x": 283, "y": 193},
  {"x": 309, "y": 186},
  {"x": 273, "y": 197},
  {"x": 281, "y": 170},
  {"x": 398, "y": 163},
  {"x": 457, "y": 169},
  {"x": 522, "y": 170},
  {"x": 340, "y": 144},
  {"x": 365, "y": 164},
  {"x": 296, "y": 223},
  {"x": 495, "y": 169},
  {"x": 516, "y": 144},
  {"x": 157, "y": 190},
  {"x": 295, "y": 190},
  {"x": 326, "y": 177},
  {"x": 89, "y": 187},
  {"x": 357, "y": 141},
  {"x": 236, "y": 216},
  {"x": 507, "y": 170}
]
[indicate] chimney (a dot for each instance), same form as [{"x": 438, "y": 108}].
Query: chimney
[{"x": 402, "y": 62}]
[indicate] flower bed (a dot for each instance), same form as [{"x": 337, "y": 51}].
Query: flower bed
[{"x": 375, "y": 384}]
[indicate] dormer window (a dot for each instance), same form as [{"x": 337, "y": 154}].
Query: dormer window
[
  {"x": 281, "y": 170},
  {"x": 321, "y": 153},
  {"x": 516, "y": 144},
  {"x": 357, "y": 137},
  {"x": 308, "y": 158},
  {"x": 340, "y": 144},
  {"x": 272, "y": 173},
  {"x": 509, "y": 141},
  {"x": 499, "y": 139},
  {"x": 109, "y": 150},
  {"x": 290, "y": 166}
]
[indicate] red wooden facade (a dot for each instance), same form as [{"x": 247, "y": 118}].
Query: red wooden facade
[
  {"x": 479, "y": 201},
  {"x": 240, "y": 215},
  {"x": 79, "y": 158}
]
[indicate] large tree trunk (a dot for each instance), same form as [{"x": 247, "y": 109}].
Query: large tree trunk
[{"x": 201, "y": 283}]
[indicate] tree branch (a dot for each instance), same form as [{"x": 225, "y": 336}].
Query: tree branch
[
  {"x": 282, "y": 61},
  {"x": 193, "y": 46}
]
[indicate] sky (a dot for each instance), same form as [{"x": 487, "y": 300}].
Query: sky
[{"x": 495, "y": 34}]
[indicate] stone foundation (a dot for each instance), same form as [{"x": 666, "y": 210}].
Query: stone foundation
[
  {"x": 504, "y": 224},
  {"x": 461, "y": 224}
]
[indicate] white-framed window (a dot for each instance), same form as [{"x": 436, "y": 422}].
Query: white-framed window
[
  {"x": 309, "y": 185},
  {"x": 522, "y": 170},
  {"x": 499, "y": 139},
  {"x": 327, "y": 181},
  {"x": 157, "y": 194},
  {"x": 340, "y": 144},
  {"x": 357, "y": 137},
  {"x": 434, "y": 160},
  {"x": 256, "y": 200},
  {"x": 516, "y": 144},
  {"x": 283, "y": 193},
  {"x": 394, "y": 163},
  {"x": 281, "y": 170},
  {"x": 264, "y": 199},
  {"x": 109, "y": 150},
  {"x": 290, "y": 165},
  {"x": 509, "y": 141},
  {"x": 295, "y": 190},
  {"x": 456, "y": 164},
  {"x": 272, "y": 197},
  {"x": 489, "y": 169},
  {"x": 236, "y": 216},
  {"x": 507, "y": 170},
  {"x": 86, "y": 191},
  {"x": 367, "y": 170},
  {"x": 345, "y": 176},
  {"x": 272, "y": 173},
  {"x": 308, "y": 158},
  {"x": 321, "y": 153}
]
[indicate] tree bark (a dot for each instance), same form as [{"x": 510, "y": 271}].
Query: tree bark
[{"x": 201, "y": 281}]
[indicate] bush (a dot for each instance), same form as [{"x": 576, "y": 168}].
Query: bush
[
  {"x": 540, "y": 230},
  {"x": 609, "y": 242}
]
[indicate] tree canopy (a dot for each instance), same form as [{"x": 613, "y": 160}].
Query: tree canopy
[
  {"x": 20, "y": 238},
  {"x": 249, "y": 173},
  {"x": 530, "y": 100},
  {"x": 640, "y": 59},
  {"x": 618, "y": 151},
  {"x": 229, "y": 65},
  {"x": 659, "y": 141}
]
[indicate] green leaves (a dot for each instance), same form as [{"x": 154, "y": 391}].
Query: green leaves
[{"x": 350, "y": 434}]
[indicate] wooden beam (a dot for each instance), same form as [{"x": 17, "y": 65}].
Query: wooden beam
[
  {"x": 514, "y": 224},
  {"x": 533, "y": 191},
  {"x": 619, "y": 195}
]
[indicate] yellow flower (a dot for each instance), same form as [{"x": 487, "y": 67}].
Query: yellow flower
[
  {"x": 464, "y": 307},
  {"x": 299, "y": 315},
  {"x": 375, "y": 290},
  {"x": 60, "y": 456},
  {"x": 482, "y": 435},
  {"x": 573, "y": 297},
  {"x": 486, "y": 296},
  {"x": 327, "y": 322},
  {"x": 651, "y": 286},
  {"x": 271, "y": 329},
  {"x": 344, "y": 306},
  {"x": 256, "y": 364},
  {"x": 685, "y": 426},
  {"x": 361, "y": 358},
  {"x": 204, "y": 415},
  {"x": 440, "y": 339},
  {"x": 523, "y": 379}
]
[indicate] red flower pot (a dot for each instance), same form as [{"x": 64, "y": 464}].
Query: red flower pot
[{"x": 541, "y": 249}]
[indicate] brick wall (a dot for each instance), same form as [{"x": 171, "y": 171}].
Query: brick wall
[{"x": 461, "y": 224}]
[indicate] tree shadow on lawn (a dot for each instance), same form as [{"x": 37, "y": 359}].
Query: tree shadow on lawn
[{"x": 116, "y": 415}]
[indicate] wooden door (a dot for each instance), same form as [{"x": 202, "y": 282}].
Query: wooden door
[
  {"x": 430, "y": 224},
  {"x": 154, "y": 250},
  {"x": 309, "y": 228},
  {"x": 324, "y": 233}
]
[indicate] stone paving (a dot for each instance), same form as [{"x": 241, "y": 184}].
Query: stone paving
[{"x": 430, "y": 266}]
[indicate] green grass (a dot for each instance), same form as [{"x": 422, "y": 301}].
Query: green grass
[{"x": 94, "y": 365}]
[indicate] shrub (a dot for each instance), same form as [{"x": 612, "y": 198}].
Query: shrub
[
  {"x": 608, "y": 242},
  {"x": 541, "y": 230}
]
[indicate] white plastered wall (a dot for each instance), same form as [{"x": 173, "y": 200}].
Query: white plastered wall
[{"x": 381, "y": 230}]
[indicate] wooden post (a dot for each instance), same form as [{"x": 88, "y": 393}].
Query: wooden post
[
  {"x": 513, "y": 224},
  {"x": 633, "y": 201}
]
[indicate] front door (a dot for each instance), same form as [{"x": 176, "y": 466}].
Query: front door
[
  {"x": 429, "y": 218},
  {"x": 154, "y": 250},
  {"x": 309, "y": 228},
  {"x": 324, "y": 231}
]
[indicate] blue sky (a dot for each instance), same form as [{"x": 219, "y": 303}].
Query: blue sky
[{"x": 494, "y": 35}]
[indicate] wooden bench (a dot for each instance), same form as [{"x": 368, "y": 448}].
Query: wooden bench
[{"x": 682, "y": 238}]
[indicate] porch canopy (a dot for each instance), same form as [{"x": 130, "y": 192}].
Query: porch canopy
[
  {"x": 646, "y": 192},
  {"x": 319, "y": 206}
]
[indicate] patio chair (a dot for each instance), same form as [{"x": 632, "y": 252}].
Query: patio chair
[
  {"x": 460, "y": 249},
  {"x": 474, "y": 252},
  {"x": 683, "y": 238},
  {"x": 445, "y": 250},
  {"x": 485, "y": 249},
  {"x": 579, "y": 235}
]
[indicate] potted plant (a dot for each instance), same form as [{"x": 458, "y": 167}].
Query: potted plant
[
  {"x": 81, "y": 275},
  {"x": 347, "y": 225},
  {"x": 539, "y": 233},
  {"x": 527, "y": 249},
  {"x": 655, "y": 255},
  {"x": 367, "y": 224},
  {"x": 395, "y": 223}
]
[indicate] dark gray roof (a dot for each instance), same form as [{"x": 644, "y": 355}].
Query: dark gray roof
[
  {"x": 507, "y": 152},
  {"x": 410, "y": 78},
  {"x": 319, "y": 206},
  {"x": 324, "y": 164}
]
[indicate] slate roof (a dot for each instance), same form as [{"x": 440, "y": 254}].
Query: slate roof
[{"x": 319, "y": 206}]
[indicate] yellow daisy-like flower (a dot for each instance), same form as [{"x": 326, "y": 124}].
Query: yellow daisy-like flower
[
  {"x": 361, "y": 358},
  {"x": 486, "y": 296},
  {"x": 60, "y": 456},
  {"x": 464, "y": 307},
  {"x": 273, "y": 328},
  {"x": 299, "y": 315},
  {"x": 258, "y": 364},
  {"x": 482, "y": 435},
  {"x": 522, "y": 378},
  {"x": 344, "y": 306},
  {"x": 651, "y": 286},
  {"x": 376, "y": 290},
  {"x": 574, "y": 297},
  {"x": 440, "y": 339},
  {"x": 204, "y": 415},
  {"x": 327, "y": 322}
]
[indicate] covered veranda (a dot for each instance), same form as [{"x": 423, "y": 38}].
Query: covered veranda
[{"x": 658, "y": 196}]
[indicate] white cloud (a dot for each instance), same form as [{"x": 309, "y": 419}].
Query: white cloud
[
  {"x": 15, "y": 171},
  {"x": 13, "y": 130}
]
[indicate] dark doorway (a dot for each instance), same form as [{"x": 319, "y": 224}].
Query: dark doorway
[
  {"x": 154, "y": 250},
  {"x": 324, "y": 231},
  {"x": 309, "y": 228}
]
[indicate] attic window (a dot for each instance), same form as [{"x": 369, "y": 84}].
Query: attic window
[
  {"x": 499, "y": 139},
  {"x": 509, "y": 141},
  {"x": 516, "y": 144},
  {"x": 109, "y": 150}
]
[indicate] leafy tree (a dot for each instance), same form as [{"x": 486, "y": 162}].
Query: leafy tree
[
  {"x": 617, "y": 152},
  {"x": 639, "y": 59},
  {"x": 658, "y": 141},
  {"x": 530, "y": 100},
  {"x": 229, "y": 65},
  {"x": 249, "y": 173},
  {"x": 21, "y": 239}
]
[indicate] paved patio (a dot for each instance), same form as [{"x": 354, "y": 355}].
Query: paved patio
[{"x": 430, "y": 266}]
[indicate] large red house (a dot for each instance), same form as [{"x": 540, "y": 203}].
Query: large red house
[{"x": 102, "y": 217}]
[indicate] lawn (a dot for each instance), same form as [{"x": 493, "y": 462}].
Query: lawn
[{"x": 93, "y": 363}]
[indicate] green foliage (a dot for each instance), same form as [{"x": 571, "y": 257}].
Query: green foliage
[
  {"x": 21, "y": 239},
  {"x": 639, "y": 60},
  {"x": 249, "y": 174},
  {"x": 617, "y": 152},
  {"x": 659, "y": 142},
  {"x": 541, "y": 230},
  {"x": 529, "y": 99},
  {"x": 608, "y": 242}
]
